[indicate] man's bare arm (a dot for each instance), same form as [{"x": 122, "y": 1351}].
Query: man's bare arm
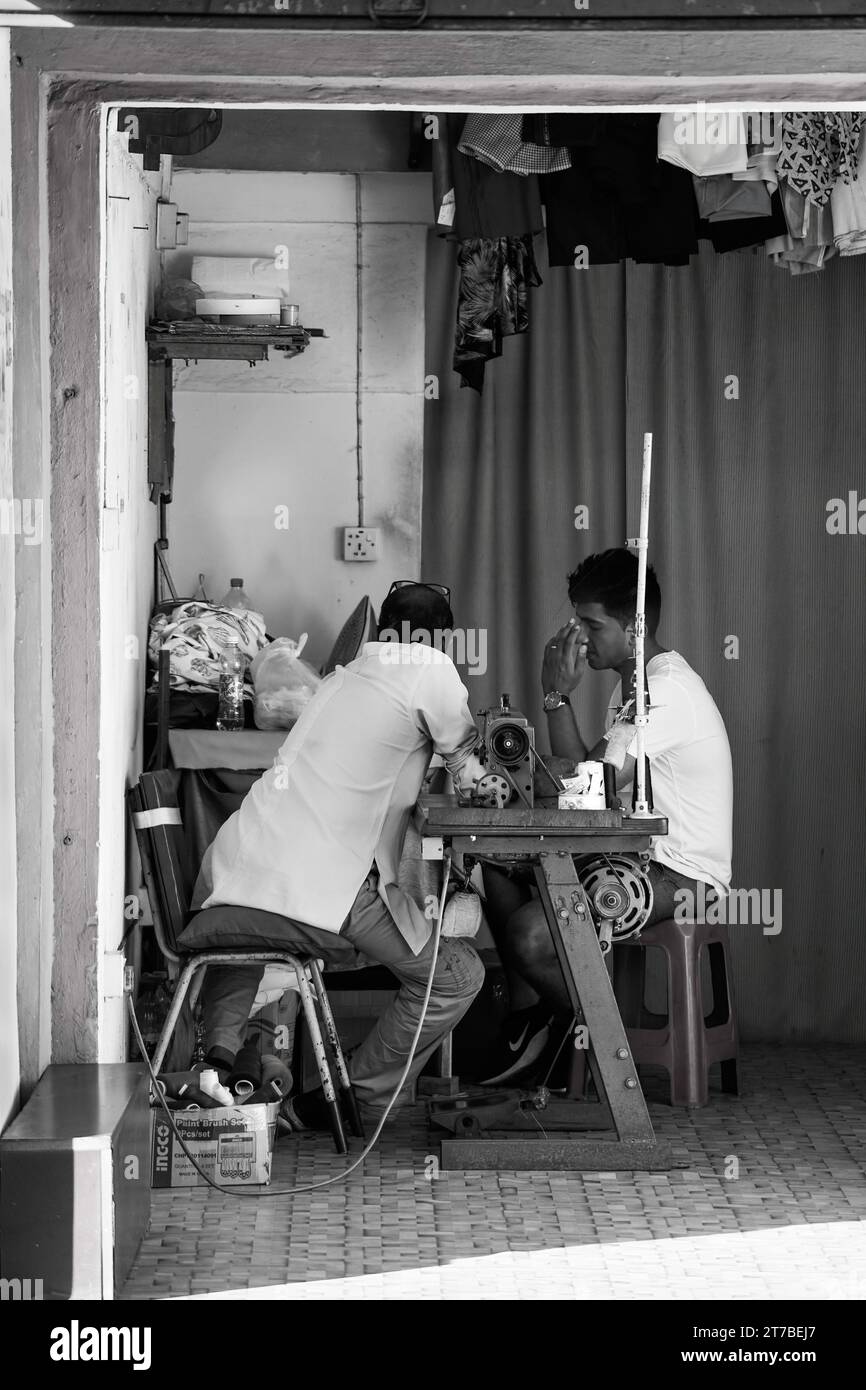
[{"x": 562, "y": 669}]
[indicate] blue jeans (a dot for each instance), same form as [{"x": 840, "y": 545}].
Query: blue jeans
[{"x": 370, "y": 932}]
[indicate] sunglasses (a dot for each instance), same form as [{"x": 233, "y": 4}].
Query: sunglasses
[{"x": 419, "y": 584}]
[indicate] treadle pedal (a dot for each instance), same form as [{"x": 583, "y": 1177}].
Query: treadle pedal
[{"x": 471, "y": 1111}]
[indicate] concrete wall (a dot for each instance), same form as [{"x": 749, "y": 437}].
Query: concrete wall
[
  {"x": 8, "y": 541},
  {"x": 283, "y": 433},
  {"x": 128, "y": 530}
]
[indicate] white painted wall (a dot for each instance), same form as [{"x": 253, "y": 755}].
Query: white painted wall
[
  {"x": 129, "y": 528},
  {"x": 9, "y": 1077},
  {"x": 249, "y": 439}
]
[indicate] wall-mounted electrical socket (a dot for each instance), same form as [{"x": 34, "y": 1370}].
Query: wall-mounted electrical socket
[{"x": 360, "y": 543}]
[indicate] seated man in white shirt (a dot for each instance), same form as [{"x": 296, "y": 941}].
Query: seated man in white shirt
[
  {"x": 315, "y": 847},
  {"x": 689, "y": 759}
]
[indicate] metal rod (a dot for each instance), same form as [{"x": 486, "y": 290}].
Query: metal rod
[
  {"x": 359, "y": 349},
  {"x": 641, "y": 807}
]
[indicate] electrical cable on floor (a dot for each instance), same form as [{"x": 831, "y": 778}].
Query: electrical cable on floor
[{"x": 368, "y": 1148}]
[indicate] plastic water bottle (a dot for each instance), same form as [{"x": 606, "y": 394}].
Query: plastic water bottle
[
  {"x": 230, "y": 714},
  {"x": 235, "y": 598}
]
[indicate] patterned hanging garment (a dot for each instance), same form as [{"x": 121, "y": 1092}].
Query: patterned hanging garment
[{"x": 495, "y": 276}]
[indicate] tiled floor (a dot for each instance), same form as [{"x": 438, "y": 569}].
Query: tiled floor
[{"x": 770, "y": 1203}]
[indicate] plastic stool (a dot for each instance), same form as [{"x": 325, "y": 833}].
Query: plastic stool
[{"x": 685, "y": 1043}]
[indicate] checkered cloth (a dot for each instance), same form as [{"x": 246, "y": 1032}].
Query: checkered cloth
[{"x": 496, "y": 140}]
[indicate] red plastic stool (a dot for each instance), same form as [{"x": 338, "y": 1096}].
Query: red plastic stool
[{"x": 684, "y": 1041}]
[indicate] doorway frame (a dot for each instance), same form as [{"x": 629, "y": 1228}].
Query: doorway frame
[{"x": 60, "y": 80}]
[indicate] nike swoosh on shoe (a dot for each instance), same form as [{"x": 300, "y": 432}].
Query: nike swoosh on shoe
[{"x": 535, "y": 1048}]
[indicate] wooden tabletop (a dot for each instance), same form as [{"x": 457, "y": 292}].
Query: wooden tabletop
[{"x": 442, "y": 815}]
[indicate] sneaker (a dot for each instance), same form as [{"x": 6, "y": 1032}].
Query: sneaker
[
  {"x": 309, "y": 1111},
  {"x": 525, "y": 1036}
]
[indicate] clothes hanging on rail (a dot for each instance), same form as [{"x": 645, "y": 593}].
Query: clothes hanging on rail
[
  {"x": 818, "y": 150},
  {"x": 495, "y": 277},
  {"x": 498, "y": 141}
]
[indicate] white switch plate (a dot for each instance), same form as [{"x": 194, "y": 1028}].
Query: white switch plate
[
  {"x": 114, "y": 963},
  {"x": 360, "y": 543}
]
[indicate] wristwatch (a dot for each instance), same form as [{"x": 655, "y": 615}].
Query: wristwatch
[{"x": 554, "y": 699}]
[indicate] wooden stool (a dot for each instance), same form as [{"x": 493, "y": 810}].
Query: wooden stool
[{"x": 684, "y": 1041}]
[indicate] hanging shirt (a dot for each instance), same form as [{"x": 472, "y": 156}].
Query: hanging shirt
[
  {"x": 342, "y": 789},
  {"x": 818, "y": 150},
  {"x": 618, "y": 199},
  {"x": 704, "y": 142},
  {"x": 492, "y": 301},
  {"x": 690, "y": 762},
  {"x": 808, "y": 243},
  {"x": 848, "y": 210},
  {"x": 763, "y": 151},
  {"x": 498, "y": 141}
]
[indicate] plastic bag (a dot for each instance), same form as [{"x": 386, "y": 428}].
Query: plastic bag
[
  {"x": 283, "y": 684},
  {"x": 176, "y": 300}
]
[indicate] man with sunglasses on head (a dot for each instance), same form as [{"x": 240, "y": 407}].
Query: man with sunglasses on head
[
  {"x": 314, "y": 850},
  {"x": 687, "y": 751}
]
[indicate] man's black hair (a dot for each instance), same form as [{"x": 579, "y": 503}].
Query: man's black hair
[
  {"x": 610, "y": 578},
  {"x": 417, "y": 606}
]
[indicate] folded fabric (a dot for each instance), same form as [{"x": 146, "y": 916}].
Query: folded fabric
[
  {"x": 720, "y": 198},
  {"x": 704, "y": 142},
  {"x": 495, "y": 276},
  {"x": 736, "y": 233},
  {"x": 818, "y": 150},
  {"x": 498, "y": 141}
]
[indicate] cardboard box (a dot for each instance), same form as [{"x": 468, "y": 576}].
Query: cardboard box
[{"x": 233, "y": 1143}]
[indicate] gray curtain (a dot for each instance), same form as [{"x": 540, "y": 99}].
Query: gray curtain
[{"x": 738, "y": 537}]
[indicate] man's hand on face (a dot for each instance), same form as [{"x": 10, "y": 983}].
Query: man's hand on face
[{"x": 564, "y": 659}]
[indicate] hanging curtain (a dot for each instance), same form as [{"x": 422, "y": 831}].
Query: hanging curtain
[{"x": 753, "y": 388}]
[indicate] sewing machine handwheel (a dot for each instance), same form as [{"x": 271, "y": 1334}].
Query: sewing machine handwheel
[{"x": 492, "y": 791}]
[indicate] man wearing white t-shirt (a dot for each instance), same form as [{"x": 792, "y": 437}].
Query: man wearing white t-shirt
[
  {"x": 310, "y": 861},
  {"x": 689, "y": 761}
]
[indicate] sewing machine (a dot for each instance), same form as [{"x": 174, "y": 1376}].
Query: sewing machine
[{"x": 513, "y": 1130}]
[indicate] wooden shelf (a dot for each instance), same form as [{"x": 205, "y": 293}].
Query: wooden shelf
[{"x": 194, "y": 341}]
